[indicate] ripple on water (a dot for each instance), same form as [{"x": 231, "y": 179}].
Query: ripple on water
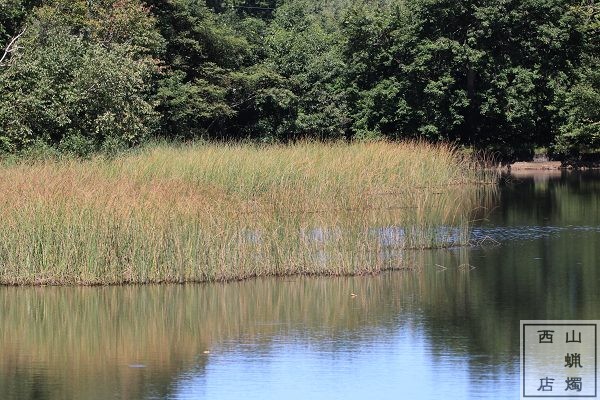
[{"x": 509, "y": 233}]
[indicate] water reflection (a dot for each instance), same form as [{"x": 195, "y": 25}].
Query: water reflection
[
  {"x": 440, "y": 331},
  {"x": 82, "y": 343}
]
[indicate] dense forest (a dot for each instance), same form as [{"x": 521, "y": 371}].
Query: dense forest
[{"x": 81, "y": 76}]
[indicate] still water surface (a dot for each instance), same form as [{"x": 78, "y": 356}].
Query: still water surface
[{"x": 450, "y": 329}]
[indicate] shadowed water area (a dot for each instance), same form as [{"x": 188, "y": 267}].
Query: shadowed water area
[{"x": 448, "y": 329}]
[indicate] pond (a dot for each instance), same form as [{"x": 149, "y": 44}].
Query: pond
[{"x": 450, "y": 328}]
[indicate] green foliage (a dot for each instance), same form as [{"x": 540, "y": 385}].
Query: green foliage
[
  {"x": 200, "y": 55},
  {"x": 12, "y": 15},
  {"x": 263, "y": 103},
  {"x": 579, "y": 105},
  {"x": 580, "y": 134},
  {"x": 262, "y": 9},
  {"x": 190, "y": 108},
  {"x": 506, "y": 76},
  {"x": 480, "y": 72},
  {"x": 79, "y": 78},
  {"x": 304, "y": 47}
]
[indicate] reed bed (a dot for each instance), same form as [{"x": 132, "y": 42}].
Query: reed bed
[{"x": 216, "y": 212}]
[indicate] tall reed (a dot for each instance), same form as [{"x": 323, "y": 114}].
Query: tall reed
[{"x": 206, "y": 212}]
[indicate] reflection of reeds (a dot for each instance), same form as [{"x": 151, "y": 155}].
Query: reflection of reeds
[
  {"x": 85, "y": 339},
  {"x": 81, "y": 341},
  {"x": 222, "y": 212}
]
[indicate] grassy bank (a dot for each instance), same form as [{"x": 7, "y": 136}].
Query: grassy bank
[{"x": 210, "y": 212}]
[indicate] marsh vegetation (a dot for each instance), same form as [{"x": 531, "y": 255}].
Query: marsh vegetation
[{"x": 215, "y": 212}]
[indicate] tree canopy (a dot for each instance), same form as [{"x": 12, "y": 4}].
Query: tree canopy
[{"x": 506, "y": 76}]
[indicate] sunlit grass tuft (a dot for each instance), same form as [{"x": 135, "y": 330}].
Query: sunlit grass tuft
[{"x": 214, "y": 212}]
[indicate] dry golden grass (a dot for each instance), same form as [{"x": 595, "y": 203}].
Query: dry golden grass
[{"x": 206, "y": 212}]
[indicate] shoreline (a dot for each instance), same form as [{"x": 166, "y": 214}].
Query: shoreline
[{"x": 551, "y": 166}]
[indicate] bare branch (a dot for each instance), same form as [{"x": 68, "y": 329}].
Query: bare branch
[{"x": 11, "y": 46}]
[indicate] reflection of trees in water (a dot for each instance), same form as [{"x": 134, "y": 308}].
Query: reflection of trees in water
[
  {"x": 477, "y": 313},
  {"x": 550, "y": 276},
  {"x": 569, "y": 198}
]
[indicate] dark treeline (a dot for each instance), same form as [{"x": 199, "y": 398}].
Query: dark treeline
[{"x": 80, "y": 76}]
